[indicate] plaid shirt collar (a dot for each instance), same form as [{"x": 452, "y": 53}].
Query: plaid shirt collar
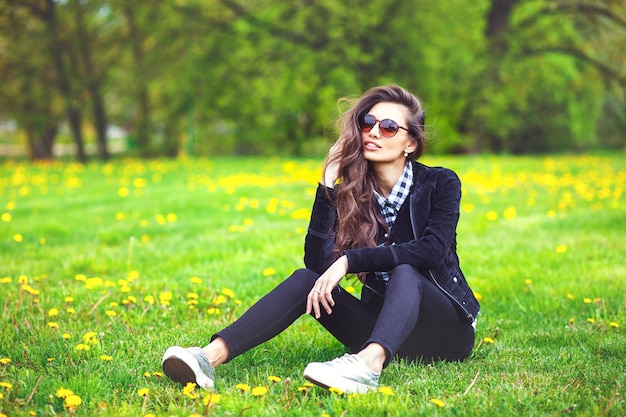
[{"x": 390, "y": 205}]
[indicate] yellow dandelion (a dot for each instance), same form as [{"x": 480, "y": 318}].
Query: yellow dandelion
[
  {"x": 53, "y": 312},
  {"x": 66, "y": 336},
  {"x": 488, "y": 340},
  {"x": 228, "y": 292},
  {"x": 385, "y": 390},
  {"x": 6, "y": 280},
  {"x": 614, "y": 324},
  {"x": 478, "y": 296},
  {"x": 80, "y": 277},
  {"x": 301, "y": 214},
  {"x": 6, "y": 217},
  {"x": 5, "y": 361},
  {"x": 528, "y": 282},
  {"x": 53, "y": 325},
  {"x": 212, "y": 398},
  {"x": 220, "y": 299},
  {"x": 571, "y": 320},
  {"x": 243, "y": 387},
  {"x": 90, "y": 337},
  {"x": 147, "y": 374},
  {"x": 591, "y": 320},
  {"x": 273, "y": 378},
  {"x": 570, "y": 296},
  {"x": 18, "y": 238},
  {"x": 143, "y": 392},
  {"x": 72, "y": 401},
  {"x": 196, "y": 280},
  {"x": 122, "y": 192},
  {"x": 335, "y": 390},
  {"x": 119, "y": 216},
  {"x": 157, "y": 374},
  {"x": 106, "y": 358},
  {"x": 561, "y": 249},
  {"x": 64, "y": 392},
  {"x": 437, "y": 402},
  {"x": 189, "y": 388},
  {"x": 468, "y": 207},
  {"x": 30, "y": 289},
  {"x": 302, "y": 389},
  {"x": 491, "y": 215},
  {"x": 50, "y": 360},
  {"x": 268, "y": 272},
  {"x": 69, "y": 299},
  {"x": 259, "y": 391},
  {"x": 82, "y": 347},
  {"x": 171, "y": 218},
  {"x": 149, "y": 299},
  {"x": 165, "y": 298},
  {"x": 111, "y": 313},
  {"x": 587, "y": 300},
  {"x": 510, "y": 213},
  {"x": 213, "y": 310}
]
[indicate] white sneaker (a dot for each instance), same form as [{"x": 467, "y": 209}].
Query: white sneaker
[
  {"x": 347, "y": 373},
  {"x": 188, "y": 365}
]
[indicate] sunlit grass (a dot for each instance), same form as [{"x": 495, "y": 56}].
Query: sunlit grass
[{"x": 104, "y": 266}]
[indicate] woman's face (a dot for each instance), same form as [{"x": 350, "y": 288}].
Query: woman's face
[{"x": 380, "y": 149}]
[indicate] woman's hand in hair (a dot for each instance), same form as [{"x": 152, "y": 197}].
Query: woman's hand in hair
[
  {"x": 321, "y": 294},
  {"x": 331, "y": 170}
]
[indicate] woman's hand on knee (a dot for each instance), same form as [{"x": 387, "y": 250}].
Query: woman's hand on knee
[{"x": 321, "y": 293}]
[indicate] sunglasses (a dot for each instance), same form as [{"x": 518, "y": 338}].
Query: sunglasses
[{"x": 388, "y": 128}]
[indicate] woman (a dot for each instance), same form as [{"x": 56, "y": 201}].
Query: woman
[{"x": 392, "y": 221}]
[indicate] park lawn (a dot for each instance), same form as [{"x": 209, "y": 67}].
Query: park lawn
[{"x": 105, "y": 265}]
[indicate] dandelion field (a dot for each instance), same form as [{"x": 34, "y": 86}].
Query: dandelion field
[{"x": 104, "y": 266}]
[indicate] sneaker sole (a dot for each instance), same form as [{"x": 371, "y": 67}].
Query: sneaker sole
[
  {"x": 328, "y": 380},
  {"x": 176, "y": 366}
]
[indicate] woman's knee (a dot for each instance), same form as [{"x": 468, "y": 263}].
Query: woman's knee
[
  {"x": 406, "y": 272},
  {"x": 304, "y": 277}
]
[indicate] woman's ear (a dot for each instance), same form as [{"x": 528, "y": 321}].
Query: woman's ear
[{"x": 411, "y": 146}]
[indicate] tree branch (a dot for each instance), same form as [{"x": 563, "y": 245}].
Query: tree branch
[
  {"x": 587, "y": 9},
  {"x": 580, "y": 55}
]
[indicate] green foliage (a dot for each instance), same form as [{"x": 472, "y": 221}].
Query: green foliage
[
  {"x": 229, "y": 77},
  {"x": 130, "y": 257}
]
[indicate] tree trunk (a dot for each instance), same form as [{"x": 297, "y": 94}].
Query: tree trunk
[
  {"x": 65, "y": 87},
  {"x": 141, "y": 93},
  {"x": 93, "y": 82}
]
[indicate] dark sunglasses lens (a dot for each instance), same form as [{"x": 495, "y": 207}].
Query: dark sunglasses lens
[
  {"x": 367, "y": 122},
  {"x": 388, "y": 127}
]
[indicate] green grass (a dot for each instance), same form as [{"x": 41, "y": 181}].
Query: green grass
[{"x": 541, "y": 240}]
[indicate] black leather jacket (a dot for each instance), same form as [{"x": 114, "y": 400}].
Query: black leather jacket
[{"x": 424, "y": 236}]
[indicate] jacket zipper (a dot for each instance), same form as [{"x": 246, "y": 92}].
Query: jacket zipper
[{"x": 467, "y": 313}]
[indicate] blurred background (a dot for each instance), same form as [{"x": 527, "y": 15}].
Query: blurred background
[{"x": 97, "y": 78}]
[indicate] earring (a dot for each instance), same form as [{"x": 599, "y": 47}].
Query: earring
[{"x": 406, "y": 154}]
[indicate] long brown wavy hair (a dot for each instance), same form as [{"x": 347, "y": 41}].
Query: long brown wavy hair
[{"x": 359, "y": 217}]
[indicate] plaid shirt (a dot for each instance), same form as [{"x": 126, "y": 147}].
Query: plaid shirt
[{"x": 390, "y": 206}]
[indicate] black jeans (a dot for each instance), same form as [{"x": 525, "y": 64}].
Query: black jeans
[{"x": 415, "y": 320}]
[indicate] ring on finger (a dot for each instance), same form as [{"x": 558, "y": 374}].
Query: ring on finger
[{"x": 317, "y": 291}]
